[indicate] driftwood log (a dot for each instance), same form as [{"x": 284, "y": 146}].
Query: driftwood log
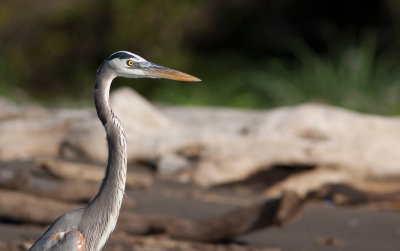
[
  {"x": 214, "y": 146},
  {"x": 69, "y": 189},
  {"x": 18, "y": 207},
  {"x": 344, "y": 154},
  {"x": 23, "y": 207},
  {"x": 68, "y": 170},
  {"x": 64, "y": 190}
]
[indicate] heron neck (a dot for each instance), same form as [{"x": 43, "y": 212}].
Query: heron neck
[{"x": 104, "y": 208}]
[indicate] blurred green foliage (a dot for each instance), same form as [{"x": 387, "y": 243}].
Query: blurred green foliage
[{"x": 249, "y": 53}]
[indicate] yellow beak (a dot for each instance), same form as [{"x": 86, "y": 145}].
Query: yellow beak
[{"x": 158, "y": 71}]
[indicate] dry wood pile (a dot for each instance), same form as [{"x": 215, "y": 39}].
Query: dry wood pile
[
  {"x": 51, "y": 162},
  {"x": 212, "y": 146}
]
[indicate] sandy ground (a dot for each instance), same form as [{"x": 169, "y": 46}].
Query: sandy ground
[{"x": 320, "y": 226}]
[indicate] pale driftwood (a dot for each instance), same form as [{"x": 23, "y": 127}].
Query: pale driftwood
[
  {"x": 27, "y": 208},
  {"x": 31, "y": 131},
  {"x": 65, "y": 190},
  {"x": 25, "y": 180},
  {"x": 212, "y": 146},
  {"x": 22, "y": 207},
  {"x": 88, "y": 172},
  {"x": 222, "y": 145},
  {"x": 307, "y": 181}
]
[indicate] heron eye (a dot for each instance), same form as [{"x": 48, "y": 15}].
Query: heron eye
[{"x": 129, "y": 62}]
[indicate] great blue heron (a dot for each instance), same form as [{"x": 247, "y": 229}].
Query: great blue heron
[{"x": 88, "y": 228}]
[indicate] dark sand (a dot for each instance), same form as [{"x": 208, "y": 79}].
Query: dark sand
[{"x": 320, "y": 226}]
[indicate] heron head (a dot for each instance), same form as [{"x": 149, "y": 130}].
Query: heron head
[{"x": 129, "y": 65}]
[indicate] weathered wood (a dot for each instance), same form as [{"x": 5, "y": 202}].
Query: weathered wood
[
  {"x": 26, "y": 180},
  {"x": 212, "y": 146},
  {"x": 22, "y": 207},
  {"x": 88, "y": 172},
  {"x": 271, "y": 213},
  {"x": 64, "y": 190},
  {"x": 314, "y": 180},
  {"x": 347, "y": 195},
  {"x": 30, "y": 131}
]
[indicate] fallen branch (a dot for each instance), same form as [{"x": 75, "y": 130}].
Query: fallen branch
[
  {"x": 347, "y": 195},
  {"x": 26, "y": 181},
  {"x": 88, "y": 172},
  {"x": 23, "y": 207},
  {"x": 271, "y": 213}
]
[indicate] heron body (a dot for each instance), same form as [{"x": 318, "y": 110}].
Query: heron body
[{"x": 88, "y": 228}]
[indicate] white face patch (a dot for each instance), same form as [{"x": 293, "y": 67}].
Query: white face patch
[
  {"x": 130, "y": 73},
  {"x": 121, "y": 67},
  {"x": 137, "y": 72}
]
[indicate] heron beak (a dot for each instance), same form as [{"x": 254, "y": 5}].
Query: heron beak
[{"x": 158, "y": 71}]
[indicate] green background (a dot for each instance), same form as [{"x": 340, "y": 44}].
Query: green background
[{"x": 249, "y": 53}]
